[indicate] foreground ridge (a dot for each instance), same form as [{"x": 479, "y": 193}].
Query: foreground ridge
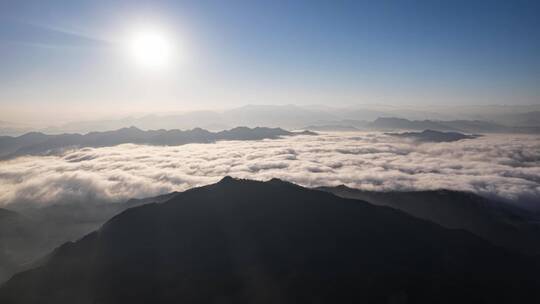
[{"x": 244, "y": 241}]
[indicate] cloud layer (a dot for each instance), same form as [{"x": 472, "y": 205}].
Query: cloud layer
[{"x": 504, "y": 166}]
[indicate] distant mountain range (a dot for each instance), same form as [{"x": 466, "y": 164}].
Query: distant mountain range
[
  {"x": 241, "y": 241},
  {"x": 468, "y": 119},
  {"x": 39, "y": 143},
  {"x": 433, "y": 136},
  {"x": 291, "y": 117},
  {"x": 466, "y": 126},
  {"x": 395, "y": 124},
  {"x": 36, "y": 143}
]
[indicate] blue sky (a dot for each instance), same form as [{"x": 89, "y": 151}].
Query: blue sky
[{"x": 66, "y": 57}]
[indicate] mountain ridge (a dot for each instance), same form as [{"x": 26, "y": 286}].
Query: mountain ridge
[
  {"x": 467, "y": 126},
  {"x": 501, "y": 223},
  {"x": 434, "y": 136},
  {"x": 246, "y": 241},
  {"x": 39, "y": 143}
]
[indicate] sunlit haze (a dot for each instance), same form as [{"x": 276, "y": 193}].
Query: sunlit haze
[
  {"x": 151, "y": 48},
  {"x": 101, "y": 60}
]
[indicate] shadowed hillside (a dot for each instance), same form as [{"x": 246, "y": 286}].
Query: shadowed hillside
[
  {"x": 33, "y": 231},
  {"x": 501, "y": 223},
  {"x": 241, "y": 241},
  {"x": 18, "y": 240}
]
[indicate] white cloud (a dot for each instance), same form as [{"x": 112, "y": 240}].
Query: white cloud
[{"x": 505, "y": 166}]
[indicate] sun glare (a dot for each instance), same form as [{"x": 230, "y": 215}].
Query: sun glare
[{"x": 151, "y": 48}]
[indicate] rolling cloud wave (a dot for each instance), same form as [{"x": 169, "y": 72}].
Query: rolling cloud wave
[{"x": 502, "y": 166}]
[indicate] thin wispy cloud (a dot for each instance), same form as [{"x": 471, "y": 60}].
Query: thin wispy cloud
[
  {"x": 46, "y": 36},
  {"x": 502, "y": 166}
]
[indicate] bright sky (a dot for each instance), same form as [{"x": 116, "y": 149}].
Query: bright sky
[{"x": 84, "y": 59}]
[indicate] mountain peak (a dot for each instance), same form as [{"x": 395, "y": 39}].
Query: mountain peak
[
  {"x": 236, "y": 239},
  {"x": 227, "y": 179}
]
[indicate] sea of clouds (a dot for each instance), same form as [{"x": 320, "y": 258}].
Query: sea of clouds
[{"x": 502, "y": 166}]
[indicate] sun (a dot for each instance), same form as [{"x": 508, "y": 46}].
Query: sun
[{"x": 151, "y": 48}]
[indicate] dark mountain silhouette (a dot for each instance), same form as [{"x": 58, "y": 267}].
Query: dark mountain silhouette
[
  {"x": 306, "y": 132},
  {"x": 38, "y": 143},
  {"x": 498, "y": 222},
  {"x": 17, "y": 239},
  {"x": 10, "y": 145},
  {"x": 241, "y": 241},
  {"x": 434, "y": 136},
  {"x": 7, "y": 214},
  {"x": 33, "y": 231}
]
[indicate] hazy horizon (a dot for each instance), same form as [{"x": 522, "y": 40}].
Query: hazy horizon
[
  {"x": 88, "y": 61},
  {"x": 306, "y": 115}
]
